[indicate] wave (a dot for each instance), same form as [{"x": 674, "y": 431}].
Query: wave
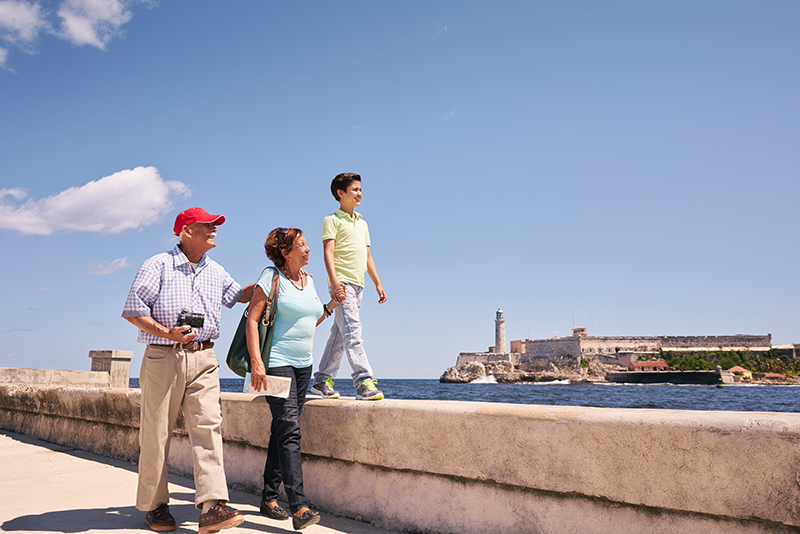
[
  {"x": 550, "y": 383},
  {"x": 485, "y": 379}
]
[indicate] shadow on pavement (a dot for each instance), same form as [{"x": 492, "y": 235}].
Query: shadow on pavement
[{"x": 111, "y": 519}]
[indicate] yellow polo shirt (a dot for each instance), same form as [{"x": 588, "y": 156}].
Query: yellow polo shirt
[{"x": 352, "y": 239}]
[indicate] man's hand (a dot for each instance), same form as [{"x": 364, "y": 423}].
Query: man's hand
[
  {"x": 247, "y": 293},
  {"x": 151, "y": 326},
  {"x": 179, "y": 335}
]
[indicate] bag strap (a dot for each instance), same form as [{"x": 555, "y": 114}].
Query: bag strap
[{"x": 272, "y": 301}]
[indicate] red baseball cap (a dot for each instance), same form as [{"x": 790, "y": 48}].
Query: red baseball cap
[{"x": 193, "y": 215}]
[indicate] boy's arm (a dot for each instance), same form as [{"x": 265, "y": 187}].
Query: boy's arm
[
  {"x": 373, "y": 273},
  {"x": 328, "y": 248}
]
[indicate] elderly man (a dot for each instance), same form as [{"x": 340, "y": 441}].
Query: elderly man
[{"x": 180, "y": 369}]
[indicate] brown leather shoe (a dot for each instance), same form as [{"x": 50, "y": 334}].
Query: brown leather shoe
[
  {"x": 218, "y": 517},
  {"x": 160, "y": 519}
]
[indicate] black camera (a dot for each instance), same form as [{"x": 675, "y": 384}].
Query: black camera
[{"x": 192, "y": 319}]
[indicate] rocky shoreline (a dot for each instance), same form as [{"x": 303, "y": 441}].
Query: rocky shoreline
[{"x": 560, "y": 370}]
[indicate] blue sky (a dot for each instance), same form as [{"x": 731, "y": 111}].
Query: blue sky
[{"x": 631, "y": 167}]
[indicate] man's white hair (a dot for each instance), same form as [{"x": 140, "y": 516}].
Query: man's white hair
[{"x": 182, "y": 234}]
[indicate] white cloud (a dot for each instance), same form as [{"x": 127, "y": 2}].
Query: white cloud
[
  {"x": 21, "y": 22},
  {"x": 92, "y": 22},
  {"x": 451, "y": 114},
  {"x": 108, "y": 267},
  {"x": 17, "y": 193},
  {"x": 16, "y": 329},
  {"x": 81, "y": 22},
  {"x": 45, "y": 289},
  {"x": 126, "y": 200}
]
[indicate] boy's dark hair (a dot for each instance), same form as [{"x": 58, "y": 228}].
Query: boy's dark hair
[{"x": 342, "y": 181}]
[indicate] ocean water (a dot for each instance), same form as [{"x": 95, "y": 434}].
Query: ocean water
[{"x": 652, "y": 396}]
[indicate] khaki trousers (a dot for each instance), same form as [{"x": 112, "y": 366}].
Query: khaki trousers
[{"x": 173, "y": 378}]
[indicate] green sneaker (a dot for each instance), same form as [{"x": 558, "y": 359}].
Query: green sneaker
[
  {"x": 324, "y": 388},
  {"x": 367, "y": 390}
]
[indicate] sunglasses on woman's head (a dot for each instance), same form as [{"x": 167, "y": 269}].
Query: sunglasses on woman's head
[{"x": 281, "y": 233}]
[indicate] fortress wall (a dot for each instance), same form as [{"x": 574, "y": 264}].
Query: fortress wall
[
  {"x": 550, "y": 348},
  {"x": 486, "y": 357},
  {"x": 715, "y": 342},
  {"x": 448, "y": 466},
  {"x": 606, "y": 345}
]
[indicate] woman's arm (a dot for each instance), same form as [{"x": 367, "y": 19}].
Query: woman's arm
[
  {"x": 336, "y": 299},
  {"x": 258, "y": 375}
]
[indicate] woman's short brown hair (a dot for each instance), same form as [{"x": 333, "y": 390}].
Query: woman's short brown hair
[{"x": 280, "y": 239}]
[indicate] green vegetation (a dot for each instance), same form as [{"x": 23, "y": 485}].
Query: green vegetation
[
  {"x": 585, "y": 363},
  {"x": 771, "y": 361}
]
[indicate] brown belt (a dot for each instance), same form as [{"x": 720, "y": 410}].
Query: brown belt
[{"x": 192, "y": 345}]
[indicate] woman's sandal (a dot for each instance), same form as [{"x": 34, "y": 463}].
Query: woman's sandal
[{"x": 309, "y": 517}]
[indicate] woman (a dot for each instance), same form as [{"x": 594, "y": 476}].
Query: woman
[{"x": 298, "y": 312}]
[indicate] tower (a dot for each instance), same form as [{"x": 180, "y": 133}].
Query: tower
[{"x": 499, "y": 333}]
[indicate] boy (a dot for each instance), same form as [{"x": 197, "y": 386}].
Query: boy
[{"x": 345, "y": 244}]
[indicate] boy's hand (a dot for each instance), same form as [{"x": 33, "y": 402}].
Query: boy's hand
[{"x": 381, "y": 294}]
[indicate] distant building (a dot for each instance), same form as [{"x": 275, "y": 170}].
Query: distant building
[
  {"x": 626, "y": 349},
  {"x": 499, "y": 333},
  {"x": 741, "y": 371},
  {"x": 775, "y": 376},
  {"x": 619, "y": 350},
  {"x": 650, "y": 366}
]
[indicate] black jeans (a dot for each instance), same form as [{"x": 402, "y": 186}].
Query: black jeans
[{"x": 283, "y": 453}]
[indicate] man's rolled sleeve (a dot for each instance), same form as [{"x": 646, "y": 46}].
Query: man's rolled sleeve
[
  {"x": 143, "y": 293},
  {"x": 231, "y": 291}
]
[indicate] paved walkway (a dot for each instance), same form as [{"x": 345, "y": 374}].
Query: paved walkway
[{"x": 50, "y": 488}]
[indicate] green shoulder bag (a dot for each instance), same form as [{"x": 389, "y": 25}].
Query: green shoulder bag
[{"x": 238, "y": 356}]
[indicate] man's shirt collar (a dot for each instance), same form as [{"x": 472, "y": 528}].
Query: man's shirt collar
[{"x": 180, "y": 258}]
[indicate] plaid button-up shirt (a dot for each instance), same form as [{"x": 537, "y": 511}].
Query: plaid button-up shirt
[{"x": 166, "y": 285}]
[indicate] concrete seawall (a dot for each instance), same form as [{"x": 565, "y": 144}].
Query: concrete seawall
[{"x": 429, "y": 466}]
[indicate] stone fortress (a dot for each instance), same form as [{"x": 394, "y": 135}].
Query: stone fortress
[{"x": 560, "y": 358}]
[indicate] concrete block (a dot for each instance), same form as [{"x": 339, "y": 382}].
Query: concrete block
[
  {"x": 53, "y": 377},
  {"x": 117, "y": 363}
]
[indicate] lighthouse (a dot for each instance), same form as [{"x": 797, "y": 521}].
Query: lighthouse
[{"x": 499, "y": 333}]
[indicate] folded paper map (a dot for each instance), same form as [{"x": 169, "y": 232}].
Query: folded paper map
[{"x": 277, "y": 386}]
